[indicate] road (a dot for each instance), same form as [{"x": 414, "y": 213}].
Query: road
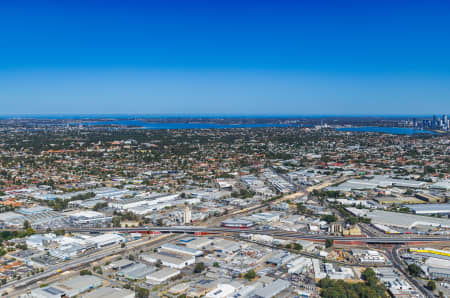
[
  {"x": 398, "y": 239},
  {"x": 398, "y": 264}
]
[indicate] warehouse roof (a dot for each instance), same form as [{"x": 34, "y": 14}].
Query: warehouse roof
[
  {"x": 182, "y": 249},
  {"x": 108, "y": 292},
  {"x": 163, "y": 274},
  {"x": 430, "y": 208},
  {"x": 399, "y": 219}
]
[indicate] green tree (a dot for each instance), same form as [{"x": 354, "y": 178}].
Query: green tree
[
  {"x": 250, "y": 275},
  {"x": 85, "y": 272},
  {"x": 26, "y": 225},
  {"x": 142, "y": 293},
  {"x": 339, "y": 288},
  {"x": 301, "y": 208},
  {"x": 368, "y": 274},
  {"x": 298, "y": 246},
  {"x": 431, "y": 285},
  {"x": 329, "y": 243},
  {"x": 199, "y": 267},
  {"x": 414, "y": 270},
  {"x": 100, "y": 206},
  {"x": 329, "y": 218},
  {"x": 116, "y": 222}
]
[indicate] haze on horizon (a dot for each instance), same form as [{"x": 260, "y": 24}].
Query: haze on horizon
[{"x": 233, "y": 57}]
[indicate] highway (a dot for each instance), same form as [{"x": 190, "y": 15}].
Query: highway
[{"x": 398, "y": 239}]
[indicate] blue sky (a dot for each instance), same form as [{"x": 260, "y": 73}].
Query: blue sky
[{"x": 225, "y": 57}]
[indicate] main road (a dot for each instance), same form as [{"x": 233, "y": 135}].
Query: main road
[
  {"x": 392, "y": 254},
  {"x": 398, "y": 239}
]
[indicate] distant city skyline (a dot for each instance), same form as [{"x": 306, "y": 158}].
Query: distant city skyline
[{"x": 230, "y": 58}]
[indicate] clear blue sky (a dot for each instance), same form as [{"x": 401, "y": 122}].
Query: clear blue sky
[{"x": 225, "y": 57}]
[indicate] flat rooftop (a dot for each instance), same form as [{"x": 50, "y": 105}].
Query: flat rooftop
[{"x": 400, "y": 219}]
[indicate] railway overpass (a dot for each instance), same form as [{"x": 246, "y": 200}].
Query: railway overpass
[{"x": 397, "y": 239}]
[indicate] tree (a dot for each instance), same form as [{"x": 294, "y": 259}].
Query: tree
[
  {"x": 370, "y": 277},
  {"x": 98, "y": 269},
  {"x": 431, "y": 285},
  {"x": 414, "y": 270},
  {"x": 301, "y": 208},
  {"x": 158, "y": 263},
  {"x": 329, "y": 218},
  {"x": 85, "y": 272},
  {"x": 368, "y": 274},
  {"x": 116, "y": 221},
  {"x": 22, "y": 246},
  {"x": 60, "y": 232},
  {"x": 329, "y": 243},
  {"x": 26, "y": 225},
  {"x": 298, "y": 246},
  {"x": 142, "y": 293},
  {"x": 199, "y": 267},
  {"x": 339, "y": 288},
  {"x": 250, "y": 275},
  {"x": 215, "y": 264},
  {"x": 100, "y": 206}
]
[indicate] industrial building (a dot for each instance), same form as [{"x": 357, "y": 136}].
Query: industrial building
[
  {"x": 266, "y": 217},
  {"x": 221, "y": 291},
  {"x": 378, "y": 181},
  {"x": 68, "y": 288},
  {"x": 11, "y": 219},
  {"x": 426, "y": 209},
  {"x": 181, "y": 249},
  {"x": 402, "y": 220},
  {"x": 89, "y": 219},
  {"x": 162, "y": 276},
  {"x": 172, "y": 260},
  {"x": 106, "y": 240},
  {"x": 121, "y": 264},
  {"x": 272, "y": 289},
  {"x": 427, "y": 197},
  {"x": 137, "y": 271},
  {"x": 110, "y": 293},
  {"x": 237, "y": 223},
  {"x": 196, "y": 243}
]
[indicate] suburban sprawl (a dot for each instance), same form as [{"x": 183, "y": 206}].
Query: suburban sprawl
[{"x": 304, "y": 208}]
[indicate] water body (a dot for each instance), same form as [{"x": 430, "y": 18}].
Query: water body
[
  {"x": 390, "y": 130},
  {"x": 182, "y": 125}
]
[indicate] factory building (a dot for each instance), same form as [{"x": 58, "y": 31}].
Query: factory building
[
  {"x": 181, "y": 250},
  {"x": 106, "y": 240},
  {"x": 161, "y": 276},
  {"x": 237, "y": 223},
  {"x": 172, "y": 260},
  {"x": 110, "y": 293},
  {"x": 426, "y": 209},
  {"x": 68, "y": 288}
]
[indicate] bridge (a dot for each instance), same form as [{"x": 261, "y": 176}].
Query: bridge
[{"x": 201, "y": 231}]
